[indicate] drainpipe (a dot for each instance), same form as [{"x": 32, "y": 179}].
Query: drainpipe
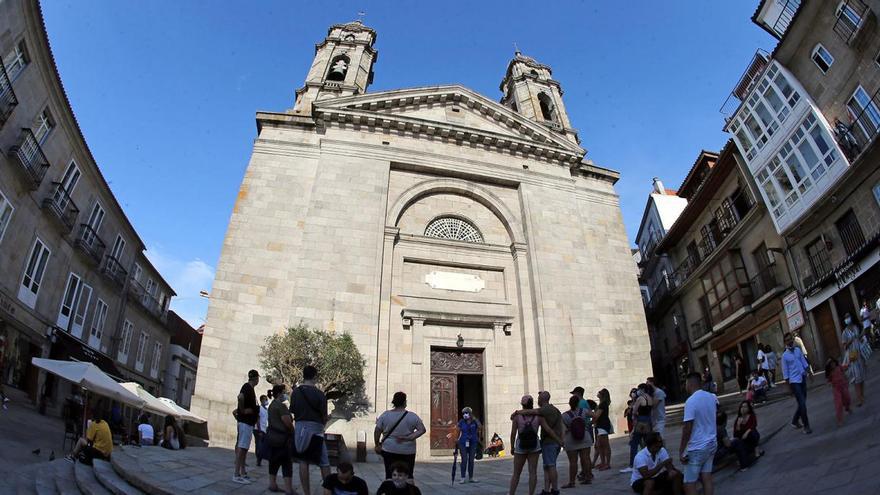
[{"x": 796, "y": 284}]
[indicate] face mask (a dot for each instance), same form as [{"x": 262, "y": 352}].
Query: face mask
[
  {"x": 466, "y": 415},
  {"x": 848, "y": 321},
  {"x": 398, "y": 483},
  {"x": 265, "y": 403}
]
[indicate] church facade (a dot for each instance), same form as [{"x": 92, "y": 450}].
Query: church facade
[{"x": 465, "y": 244}]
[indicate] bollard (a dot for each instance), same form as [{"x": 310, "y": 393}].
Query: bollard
[{"x": 361, "y": 452}]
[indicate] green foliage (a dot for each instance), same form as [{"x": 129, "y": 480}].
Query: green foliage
[{"x": 339, "y": 362}]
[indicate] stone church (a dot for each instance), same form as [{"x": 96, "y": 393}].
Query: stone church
[{"x": 465, "y": 244}]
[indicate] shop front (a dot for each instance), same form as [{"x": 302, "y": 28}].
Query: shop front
[{"x": 20, "y": 340}]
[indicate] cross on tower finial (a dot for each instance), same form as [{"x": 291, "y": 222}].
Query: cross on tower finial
[
  {"x": 515, "y": 48},
  {"x": 360, "y": 16}
]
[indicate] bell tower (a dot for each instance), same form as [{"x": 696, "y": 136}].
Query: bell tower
[
  {"x": 528, "y": 88},
  {"x": 343, "y": 66}
]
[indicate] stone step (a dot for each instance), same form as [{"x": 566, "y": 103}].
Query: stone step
[
  {"x": 44, "y": 483},
  {"x": 25, "y": 484},
  {"x": 87, "y": 482},
  {"x": 112, "y": 481},
  {"x": 65, "y": 482},
  {"x": 128, "y": 467}
]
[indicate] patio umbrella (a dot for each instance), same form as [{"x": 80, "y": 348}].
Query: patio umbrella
[
  {"x": 182, "y": 412},
  {"x": 151, "y": 403},
  {"x": 89, "y": 377}
]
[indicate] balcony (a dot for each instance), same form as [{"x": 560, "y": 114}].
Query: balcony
[
  {"x": 700, "y": 328},
  {"x": 59, "y": 204},
  {"x": 851, "y": 16},
  {"x": 745, "y": 84},
  {"x": 8, "y": 101},
  {"x": 88, "y": 242},
  {"x": 114, "y": 271},
  {"x": 777, "y": 15},
  {"x": 763, "y": 282},
  {"x": 146, "y": 300},
  {"x": 30, "y": 157},
  {"x": 856, "y": 137},
  {"x": 660, "y": 295}
]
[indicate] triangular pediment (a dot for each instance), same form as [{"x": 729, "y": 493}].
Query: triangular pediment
[{"x": 448, "y": 110}]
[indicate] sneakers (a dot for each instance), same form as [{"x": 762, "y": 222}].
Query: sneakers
[
  {"x": 808, "y": 431},
  {"x": 69, "y": 458},
  {"x": 471, "y": 480},
  {"x": 796, "y": 426},
  {"x": 462, "y": 481},
  {"x": 241, "y": 480},
  {"x": 626, "y": 470}
]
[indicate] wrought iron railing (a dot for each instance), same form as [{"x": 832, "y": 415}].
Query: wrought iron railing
[
  {"x": 700, "y": 328},
  {"x": 785, "y": 17},
  {"x": 145, "y": 299},
  {"x": 709, "y": 242},
  {"x": 760, "y": 61},
  {"x": 855, "y": 138},
  {"x": 764, "y": 281},
  {"x": 113, "y": 269},
  {"x": 59, "y": 203},
  {"x": 820, "y": 262},
  {"x": 8, "y": 101},
  {"x": 30, "y": 156},
  {"x": 851, "y": 15},
  {"x": 89, "y": 242},
  {"x": 852, "y": 236}
]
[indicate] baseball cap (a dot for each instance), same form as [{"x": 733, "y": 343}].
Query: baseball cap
[{"x": 577, "y": 391}]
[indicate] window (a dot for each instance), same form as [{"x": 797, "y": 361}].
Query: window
[
  {"x": 98, "y": 321},
  {"x": 6, "y": 210},
  {"x": 453, "y": 228},
  {"x": 822, "y": 58},
  {"x": 548, "y": 109},
  {"x": 163, "y": 300},
  {"x": 118, "y": 248},
  {"x": 141, "y": 352},
  {"x": 157, "y": 357},
  {"x": 817, "y": 256},
  {"x": 16, "y": 60},
  {"x": 33, "y": 274},
  {"x": 768, "y": 105},
  {"x": 864, "y": 111},
  {"x": 42, "y": 125},
  {"x": 850, "y": 232},
  {"x": 137, "y": 273},
  {"x": 726, "y": 287},
  {"x": 67, "y": 184},
  {"x": 801, "y": 161},
  {"x": 125, "y": 341},
  {"x": 876, "y": 198},
  {"x": 849, "y": 16},
  {"x": 68, "y": 301}
]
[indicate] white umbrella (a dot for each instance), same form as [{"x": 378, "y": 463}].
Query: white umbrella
[
  {"x": 183, "y": 413},
  {"x": 151, "y": 403},
  {"x": 89, "y": 377}
]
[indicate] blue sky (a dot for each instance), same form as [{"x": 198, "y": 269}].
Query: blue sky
[{"x": 166, "y": 92}]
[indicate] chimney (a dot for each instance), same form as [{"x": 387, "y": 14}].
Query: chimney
[{"x": 658, "y": 186}]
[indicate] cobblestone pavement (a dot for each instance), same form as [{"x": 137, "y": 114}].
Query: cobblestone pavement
[{"x": 844, "y": 459}]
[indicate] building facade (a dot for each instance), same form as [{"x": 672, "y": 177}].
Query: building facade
[
  {"x": 183, "y": 360},
  {"x": 74, "y": 281},
  {"x": 806, "y": 117},
  {"x": 466, "y": 246}
]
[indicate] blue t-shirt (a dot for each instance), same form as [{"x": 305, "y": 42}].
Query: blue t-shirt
[{"x": 468, "y": 431}]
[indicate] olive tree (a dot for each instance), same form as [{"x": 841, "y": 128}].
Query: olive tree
[{"x": 339, "y": 362}]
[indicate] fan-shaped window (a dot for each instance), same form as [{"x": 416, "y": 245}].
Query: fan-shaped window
[{"x": 453, "y": 228}]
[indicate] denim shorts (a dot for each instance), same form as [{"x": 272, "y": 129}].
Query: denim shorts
[
  {"x": 245, "y": 432},
  {"x": 698, "y": 461},
  {"x": 549, "y": 453}
]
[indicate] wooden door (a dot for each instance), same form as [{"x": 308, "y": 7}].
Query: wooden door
[
  {"x": 444, "y": 398},
  {"x": 827, "y": 333}
]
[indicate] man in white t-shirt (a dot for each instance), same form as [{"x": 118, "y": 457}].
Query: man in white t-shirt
[
  {"x": 145, "y": 432},
  {"x": 653, "y": 472},
  {"x": 698, "y": 437},
  {"x": 658, "y": 412}
]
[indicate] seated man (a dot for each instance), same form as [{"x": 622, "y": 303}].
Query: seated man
[
  {"x": 759, "y": 386},
  {"x": 344, "y": 482},
  {"x": 98, "y": 442},
  {"x": 653, "y": 472},
  {"x": 725, "y": 446},
  {"x": 496, "y": 445},
  {"x": 145, "y": 432}
]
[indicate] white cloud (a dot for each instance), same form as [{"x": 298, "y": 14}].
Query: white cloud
[{"x": 187, "y": 278}]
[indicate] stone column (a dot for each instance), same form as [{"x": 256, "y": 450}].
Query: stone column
[
  {"x": 499, "y": 355},
  {"x": 533, "y": 370},
  {"x": 383, "y": 331},
  {"x": 418, "y": 333}
]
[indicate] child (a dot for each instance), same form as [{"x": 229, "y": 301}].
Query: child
[
  {"x": 834, "y": 373},
  {"x": 627, "y": 413},
  {"x": 398, "y": 484}
]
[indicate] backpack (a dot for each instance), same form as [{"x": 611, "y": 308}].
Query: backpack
[
  {"x": 578, "y": 427},
  {"x": 528, "y": 436}
]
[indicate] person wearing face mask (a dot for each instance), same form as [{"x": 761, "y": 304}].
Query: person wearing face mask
[
  {"x": 398, "y": 484},
  {"x": 468, "y": 443},
  {"x": 260, "y": 428},
  {"x": 852, "y": 341},
  {"x": 795, "y": 370}
]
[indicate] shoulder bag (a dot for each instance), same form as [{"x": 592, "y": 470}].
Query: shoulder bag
[{"x": 388, "y": 434}]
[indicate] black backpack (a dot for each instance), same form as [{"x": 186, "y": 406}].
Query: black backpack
[{"x": 528, "y": 436}]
